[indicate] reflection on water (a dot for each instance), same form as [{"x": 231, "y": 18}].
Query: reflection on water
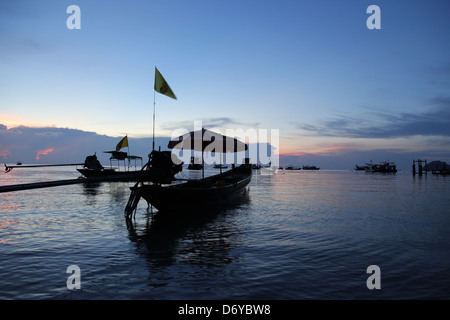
[
  {"x": 203, "y": 237},
  {"x": 91, "y": 188},
  {"x": 295, "y": 235}
]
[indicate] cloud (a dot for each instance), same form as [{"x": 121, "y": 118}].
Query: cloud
[
  {"x": 210, "y": 123},
  {"x": 43, "y": 152},
  {"x": 49, "y": 134},
  {"x": 63, "y": 145},
  {"x": 433, "y": 122}
]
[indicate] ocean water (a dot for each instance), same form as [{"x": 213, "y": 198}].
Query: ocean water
[{"x": 295, "y": 235}]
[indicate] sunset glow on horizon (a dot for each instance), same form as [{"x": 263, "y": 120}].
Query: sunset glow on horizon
[{"x": 13, "y": 121}]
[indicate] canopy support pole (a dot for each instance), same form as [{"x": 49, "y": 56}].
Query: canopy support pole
[
  {"x": 154, "y": 103},
  {"x": 203, "y": 166}
]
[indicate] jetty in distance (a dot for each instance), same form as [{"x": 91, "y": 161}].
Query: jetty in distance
[{"x": 435, "y": 167}]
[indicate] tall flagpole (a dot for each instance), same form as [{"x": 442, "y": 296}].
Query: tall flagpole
[{"x": 154, "y": 103}]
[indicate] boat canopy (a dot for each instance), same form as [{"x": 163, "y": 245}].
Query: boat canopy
[
  {"x": 120, "y": 155},
  {"x": 206, "y": 140},
  {"x": 209, "y": 141}
]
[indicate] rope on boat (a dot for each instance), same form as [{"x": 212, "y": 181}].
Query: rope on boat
[{"x": 133, "y": 201}]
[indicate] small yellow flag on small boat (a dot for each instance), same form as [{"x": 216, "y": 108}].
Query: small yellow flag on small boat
[
  {"x": 122, "y": 144},
  {"x": 161, "y": 85}
]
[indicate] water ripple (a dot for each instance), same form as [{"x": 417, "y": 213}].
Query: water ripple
[{"x": 298, "y": 235}]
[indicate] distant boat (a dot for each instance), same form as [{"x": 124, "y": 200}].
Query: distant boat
[
  {"x": 269, "y": 165},
  {"x": 93, "y": 168},
  {"x": 194, "y": 164},
  {"x": 292, "y": 168},
  {"x": 220, "y": 166},
  {"x": 19, "y": 163},
  {"x": 384, "y": 167},
  {"x": 310, "y": 168},
  {"x": 360, "y": 168}
]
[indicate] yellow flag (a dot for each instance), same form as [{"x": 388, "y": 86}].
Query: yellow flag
[
  {"x": 122, "y": 144},
  {"x": 161, "y": 85}
]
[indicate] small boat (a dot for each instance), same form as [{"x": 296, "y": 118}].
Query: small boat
[
  {"x": 93, "y": 168},
  {"x": 360, "y": 168},
  {"x": 310, "y": 168},
  {"x": 195, "y": 164},
  {"x": 220, "y": 166},
  {"x": 19, "y": 163},
  {"x": 384, "y": 167}
]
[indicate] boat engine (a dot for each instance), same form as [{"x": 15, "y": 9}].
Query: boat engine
[
  {"x": 91, "y": 162},
  {"x": 161, "y": 167}
]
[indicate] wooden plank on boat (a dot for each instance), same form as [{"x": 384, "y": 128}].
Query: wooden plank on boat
[
  {"x": 9, "y": 168},
  {"x": 36, "y": 185},
  {"x": 56, "y": 183},
  {"x": 45, "y": 165}
]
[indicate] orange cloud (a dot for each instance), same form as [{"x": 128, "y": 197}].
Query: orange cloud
[
  {"x": 297, "y": 154},
  {"x": 335, "y": 148},
  {"x": 45, "y": 151},
  {"x": 12, "y": 121}
]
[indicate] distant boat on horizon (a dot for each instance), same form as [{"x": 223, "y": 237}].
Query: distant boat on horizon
[
  {"x": 384, "y": 167},
  {"x": 194, "y": 164},
  {"x": 310, "y": 168},
  {"x": 220, "y": 166}
]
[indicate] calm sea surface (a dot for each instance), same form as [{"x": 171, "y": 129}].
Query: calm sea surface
[{"x": 295, "y": 235}]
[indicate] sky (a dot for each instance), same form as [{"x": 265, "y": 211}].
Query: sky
[{"x": 338, "y": 92}]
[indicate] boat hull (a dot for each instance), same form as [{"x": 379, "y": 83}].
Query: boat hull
[
  {"x": 310, "y": 168},
  {"x": 211, "y": 192},
  {"x": 115, "y": 175}
]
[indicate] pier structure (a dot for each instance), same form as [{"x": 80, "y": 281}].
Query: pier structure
[{"x": 420, "y": 166}]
